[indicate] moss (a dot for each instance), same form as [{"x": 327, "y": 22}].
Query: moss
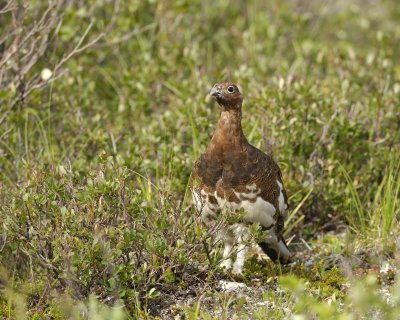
[{"x": 322, "y": 282}]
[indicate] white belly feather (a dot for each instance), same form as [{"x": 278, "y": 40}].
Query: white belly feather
[{"x": 256, "y": 209}]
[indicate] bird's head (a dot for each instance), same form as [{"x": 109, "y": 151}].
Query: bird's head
[{"x": 227, "y": 95}]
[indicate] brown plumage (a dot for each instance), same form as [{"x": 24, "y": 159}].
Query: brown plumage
[{"x": 235, "y": 175}]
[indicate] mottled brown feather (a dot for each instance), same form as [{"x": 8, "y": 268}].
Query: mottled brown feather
[
  {"x": 230, "y": 162},
  {"x": 234, "y": 170}
]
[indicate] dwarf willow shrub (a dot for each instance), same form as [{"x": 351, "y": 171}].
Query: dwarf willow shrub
[{"x": 97, "y": 234}]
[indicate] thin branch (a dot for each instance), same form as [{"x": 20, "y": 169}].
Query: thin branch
[
  {"x": 10, "y": 6},
  {"x": 126, "y": 37},
  {"x": 78, "y": 48},
  {"x": 17, "y": 45}
]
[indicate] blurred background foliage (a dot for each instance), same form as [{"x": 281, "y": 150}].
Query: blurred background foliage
[{"x": 104, "y": 109}]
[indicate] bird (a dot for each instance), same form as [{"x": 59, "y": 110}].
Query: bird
[{"x": 235, "y": 176}]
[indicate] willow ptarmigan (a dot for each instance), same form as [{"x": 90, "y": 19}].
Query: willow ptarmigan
[{"x": 236, "y": 176}]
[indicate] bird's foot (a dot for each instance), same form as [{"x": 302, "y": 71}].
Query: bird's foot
[
  {"x": 237, "y": 271},
  {"x": 238, "y": 265},
  {"x": 226, "y": 264}
]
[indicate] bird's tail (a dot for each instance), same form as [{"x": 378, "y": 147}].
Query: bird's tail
[{"x": 276, "y": 249}]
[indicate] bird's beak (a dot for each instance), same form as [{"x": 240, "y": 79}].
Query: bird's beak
[{"x": 214, "y": 92}]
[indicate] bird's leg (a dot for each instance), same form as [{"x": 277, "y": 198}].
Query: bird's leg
[
  {"x": 228, "y": 238},
  {"x": 241, "y": 233},
  {"x": 226, "y": 256},
  {"x": 228, "y": 241},
  {"x": 240, "y": 259}
]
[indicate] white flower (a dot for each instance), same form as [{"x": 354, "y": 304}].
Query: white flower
[{"x": 46, "y": 74}]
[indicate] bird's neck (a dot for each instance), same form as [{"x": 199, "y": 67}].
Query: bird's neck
[
  {"x": 230, "y": 123},
  {"x": 229, "y": 134}
]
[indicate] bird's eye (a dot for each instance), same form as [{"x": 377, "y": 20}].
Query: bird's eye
[{"x": 231, "y": 89}]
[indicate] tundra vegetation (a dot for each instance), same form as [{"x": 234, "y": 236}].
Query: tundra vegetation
[{"x": 103, "y": 110}]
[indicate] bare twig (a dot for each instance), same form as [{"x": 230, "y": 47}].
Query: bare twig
[
  {"x": 23, "y": 46},
  {"x": 10, "y": 6},
  {"x": 126, "y": 37}
]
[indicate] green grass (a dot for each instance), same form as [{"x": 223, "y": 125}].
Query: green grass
[
  {"x": 377, "y": 219},
  {"x": 95, "y": 211}
]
